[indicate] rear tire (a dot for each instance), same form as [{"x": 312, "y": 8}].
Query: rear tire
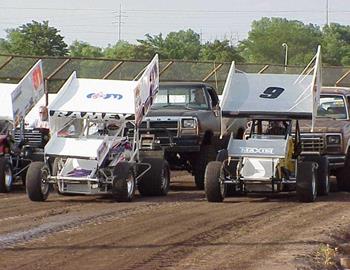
[
  {"x": 156, "y": 181},
  {"x": 123, "y": 186},
  {"x": 306, "y": 183},
  {"x": 214, "y": 189},
  {"x": 206, "y": 154},
  {"x": 6, "y": 176},
  {"x": 37, "y": 189}
]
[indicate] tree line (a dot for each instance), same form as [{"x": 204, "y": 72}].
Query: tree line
[{"x": 262, "y": 45}]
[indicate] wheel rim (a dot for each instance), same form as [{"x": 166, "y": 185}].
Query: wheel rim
[
  {"x": 165, "y": 179},
  {"x": 327, "y": 184},
  {"x": 44, "y": 184},
  {"x": 313, "y": 184},
  {"x": 130, "y": 184},
  {"x": 222, "y": 189},
  {"x": 8, "y": 177}
]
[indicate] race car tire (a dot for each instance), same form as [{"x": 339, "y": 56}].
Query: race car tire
[
  {"x": 124, "y": 183},
  {"x": 306, "y": 182},
  {"x": 156, "y": 181},
  {"x": 6, "y": 176},
  {"x": 37, "y": 189},
  {"x": 214, "y": 190}
]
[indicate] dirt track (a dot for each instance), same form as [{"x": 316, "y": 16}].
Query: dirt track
[{"x": 180, "y": 231}]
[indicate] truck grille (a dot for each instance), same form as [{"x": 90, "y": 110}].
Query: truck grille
[
  {"x": 312, "y": 143},
  {"x": 160, "y": 124},
  {"x": 33, "y": 138}
]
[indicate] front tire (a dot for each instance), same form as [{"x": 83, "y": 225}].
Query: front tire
[
  {"x": 123, "y": 186},
  {"x": 206, "y": 154},
  {"x": 6, "y": 176},
  {"x": 323, "y": 185},
  {"x": 343, "y": 177},
  {"x": 156, "y": 181},
  {"x": 214, "y": 189},
  {"x": 306, "y": 183},
  {"x": 37, "y": 187}
]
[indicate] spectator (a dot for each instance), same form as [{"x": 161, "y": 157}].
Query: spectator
[
  {"x": 42, "y": 121},
  {"x": 199, "y": 98},
  {"x": 276, "y": 128}
]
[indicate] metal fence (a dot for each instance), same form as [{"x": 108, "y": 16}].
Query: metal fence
[{"x": 58, "y": 69}]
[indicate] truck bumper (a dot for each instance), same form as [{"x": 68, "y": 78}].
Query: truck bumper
[
  {"x": 188, "y": 144},
  {"x": 336, "y": 161}
]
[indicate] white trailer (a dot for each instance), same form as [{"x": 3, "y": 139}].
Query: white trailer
[{"x": 95, "y": 144}]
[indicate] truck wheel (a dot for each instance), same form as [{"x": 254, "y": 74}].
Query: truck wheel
[
  {"x": 214, "y": 189},
  {"x": 123, "y": 185},
  {"x": 37, "y": 187},
  {"x": 206, "y": 154},
  {"x": 306, "y": 186},
  {"x": 156, "y": 181},
  {"x": 323, "y": 184},
  {"x": 6, "y": 176},
  {"x": 343, "y": 177}
]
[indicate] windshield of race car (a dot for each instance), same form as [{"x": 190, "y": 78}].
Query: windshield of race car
[
  {"x": 332, "y": 107},
  {"x": 190, "y": 97},
  {"x": 88, "y": 128}
]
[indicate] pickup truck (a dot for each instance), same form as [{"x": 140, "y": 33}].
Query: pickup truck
[
  {"x": 186, "y": 120},
  {"x": 330, "y": 138}
]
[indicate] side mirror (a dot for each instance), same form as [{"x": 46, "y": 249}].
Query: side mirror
[{"x": 216, "y": 110}]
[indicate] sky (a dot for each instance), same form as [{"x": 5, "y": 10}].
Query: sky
[{"x": 99, "y": 22}]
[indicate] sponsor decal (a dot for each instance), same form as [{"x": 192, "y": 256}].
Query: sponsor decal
[
  {"x": 86, "y": 115},
  {"x": 37, "y": 77},
  {"x": 17, "y": 93},
  {"x": 256, "y": 150},
  {"x": 104, "y": 96}
]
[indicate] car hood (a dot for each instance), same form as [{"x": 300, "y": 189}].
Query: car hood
[
  {"x": 174, "y": 112},
  {"x": 324, "y": 125}
]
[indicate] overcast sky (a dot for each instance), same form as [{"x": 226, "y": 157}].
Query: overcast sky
[{"x": 97, "y": 22}]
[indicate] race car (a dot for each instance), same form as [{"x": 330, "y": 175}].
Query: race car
[
  {"x": 20, "y": 145},
  {"x": 91, "y": 151},
  {"x": 269, "y": 158}
]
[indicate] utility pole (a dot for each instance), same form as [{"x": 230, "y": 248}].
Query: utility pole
[{"x": 120, "y": 23}]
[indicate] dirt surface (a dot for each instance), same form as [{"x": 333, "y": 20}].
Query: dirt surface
[{"x": 180, "y": 231}]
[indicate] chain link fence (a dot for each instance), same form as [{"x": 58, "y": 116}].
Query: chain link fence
[{"x": 58, "y": 69}]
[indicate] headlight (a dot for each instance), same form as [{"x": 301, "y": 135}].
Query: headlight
[
  {"x": 333, "y": 139},
  {"x": 188, "y": 123}
]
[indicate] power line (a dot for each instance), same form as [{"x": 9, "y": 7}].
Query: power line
[{"x": 63, "y": 9}]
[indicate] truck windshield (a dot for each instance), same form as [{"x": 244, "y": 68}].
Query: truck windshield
[
  {"x": 187, "y": 96},
  {"x": 332, "y": 107}
]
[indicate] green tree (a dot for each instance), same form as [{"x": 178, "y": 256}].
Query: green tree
[
  {"x": 336, "y": 44},
  {"x": 183, "y": 45},
  {"x": 220, "y": 51},
  {"x": 121, "y": 50},
  {"x": 84, "y": 49},
  {"x": 264, "y": 42},
  {"x": 35, "y": 38}
]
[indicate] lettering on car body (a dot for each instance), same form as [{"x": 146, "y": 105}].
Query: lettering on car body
[
  {"x": 256, "y": 150},
  {"x": 104, "y": 96}
]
